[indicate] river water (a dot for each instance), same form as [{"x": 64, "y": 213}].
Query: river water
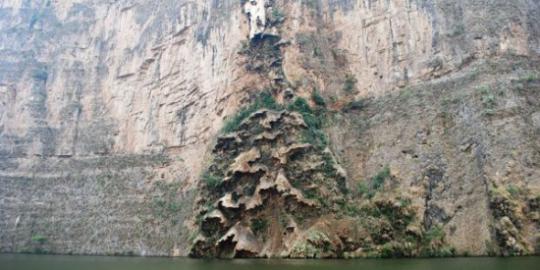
[{"x": 44, "y": 262}]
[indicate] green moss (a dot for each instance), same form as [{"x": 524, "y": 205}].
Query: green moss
[
  {"x": 488, "y": 100},
  {"x": 211, "y": 181},
  {"x": 497, "y": 192},
  {"x": 320, "y": 238},
  {"x": 433, "y": 244},
  {"x": 259, "y": 226},
  {"x": 513, "y": 190},
  {"x": 305, "y": 249},
  {"x": 314, "y": 137},
  {"x": 318, "y": 99},
  {"x": 39, "y": 239},
  {"x": 354, "y": 105},
  {"x": 311, "y": 194},
  {"x": 397, "y": 215},
  {"x": 350, "y": 83},
  {"x": 233, "y": 124},
  {"x": 396, "y": 250},
  {"x": 328, "y": 165},
  {"x": 314, "y": 121},
  {"x": 436, "y": 233},
  {"x": 404, "y": 202},
  {"x": 440, "y": 252},
  {"x": 362, "y": 189},
  {"x": 300, "y": 105},
  {"x": 263, "y": 101},
  {"x": 529, "y": 77},
  {"x": 377, "y": 182},
  {"x": 350, "y": 209}
]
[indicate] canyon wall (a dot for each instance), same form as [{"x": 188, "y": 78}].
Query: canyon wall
[{"x": 110, "y": 111}]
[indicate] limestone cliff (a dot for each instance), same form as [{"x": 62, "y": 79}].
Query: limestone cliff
[{"x": 296, "y": 128}]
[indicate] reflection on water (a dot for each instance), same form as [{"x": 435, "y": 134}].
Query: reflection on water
[{"x": 36, "y": 262}]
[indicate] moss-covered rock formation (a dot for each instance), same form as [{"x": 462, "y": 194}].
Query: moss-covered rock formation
[{"x": 266, "y": 188}]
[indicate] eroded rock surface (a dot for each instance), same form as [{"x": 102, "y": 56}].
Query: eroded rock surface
[{"x": 270, "y": 190}]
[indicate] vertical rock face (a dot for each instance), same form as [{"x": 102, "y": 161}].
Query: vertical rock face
[
  {"x": 105, "y": 105},
  {"x": 110, "y": 112}
]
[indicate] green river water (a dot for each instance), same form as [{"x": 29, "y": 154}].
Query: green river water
[{"x": 42, "y": 262}]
